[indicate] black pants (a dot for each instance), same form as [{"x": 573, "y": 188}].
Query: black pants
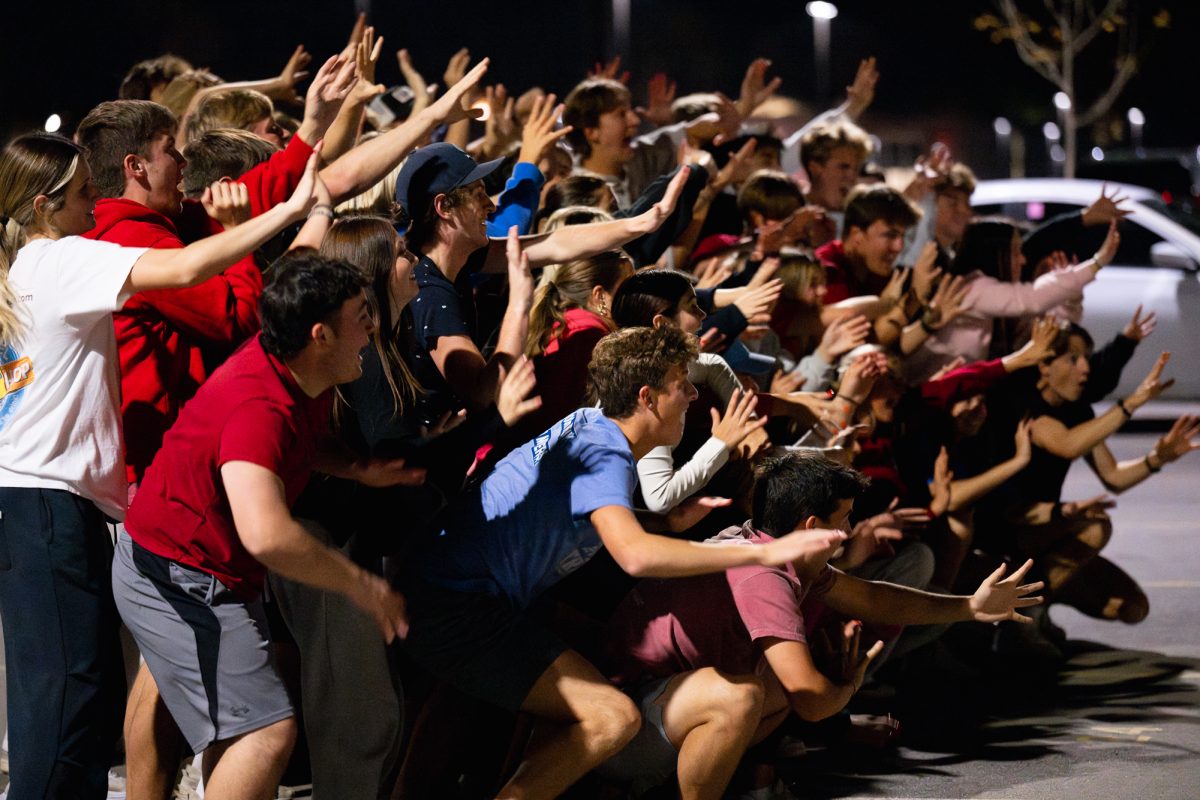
[{"x": 66, "y": 682}]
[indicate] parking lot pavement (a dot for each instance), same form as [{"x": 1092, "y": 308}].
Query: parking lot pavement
[{"x": 1120, "y": 720}]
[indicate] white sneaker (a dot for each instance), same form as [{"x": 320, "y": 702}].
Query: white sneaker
[{"x": 116, "y": 785}]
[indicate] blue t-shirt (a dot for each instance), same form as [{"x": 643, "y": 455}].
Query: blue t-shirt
[{"x": 529, "y": 524}]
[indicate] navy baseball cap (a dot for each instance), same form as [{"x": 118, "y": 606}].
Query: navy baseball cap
[{"x": 436, "y": 169}]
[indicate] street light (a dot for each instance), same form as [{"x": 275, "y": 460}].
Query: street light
[
  {"x": 1097, "y": 154},
  {"x": 821, "y": 13},
  {"x": 1051, "y": 132},
  {"x": 1136, "y": 120},
  {"x": 819, "y": 9},
  {"x": 1061, "y": 101},
  {"x": 1003, "y": 130},
  {"x": 53, "y": 123}
]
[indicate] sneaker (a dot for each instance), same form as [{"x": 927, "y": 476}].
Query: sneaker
[
  {"x": 188, "y": 787},
  {"x": 116, "y": 785}
]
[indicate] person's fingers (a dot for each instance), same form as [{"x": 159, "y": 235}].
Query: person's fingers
[
  {"x": 996, "y": 576},
  {"x": 1020, "y": 573}
]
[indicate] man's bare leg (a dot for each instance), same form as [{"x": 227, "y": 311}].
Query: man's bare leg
[
  {"x": 597, "y": 721},
  {"x": 249, "y": 766},
  {"x": 153, "y": 744},
  {"x": 711, "y": 718}
]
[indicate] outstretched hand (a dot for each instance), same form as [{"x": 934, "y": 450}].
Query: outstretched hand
[
  {"x": 455, "y": 103},
  {"x": 657, "y": 214},
  {"x": 539, "y": 134},
  {"x": 328, "y": 90},
  {"x": 1177, "y": 442},
  {"x": 755, "y": 87},
  {"x": 1140, "y": 327},
  {"x": 860, "y": 93},
  {"x": 692, "y": 510},
  {"x": 514, "y": 394},
  {"x": 1106, "y": 209},
  {"x": 998, "y": 598},
  {"x": 1108, "y": 250},
  {"x": 293, "y": 72}
]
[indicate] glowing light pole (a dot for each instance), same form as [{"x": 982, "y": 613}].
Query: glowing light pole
[{"x": 822, "y": 14}]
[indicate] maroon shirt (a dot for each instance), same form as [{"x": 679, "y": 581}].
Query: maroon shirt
[
  {"x": 251, "y": 409},
  {"x": 668, "y": 626}
]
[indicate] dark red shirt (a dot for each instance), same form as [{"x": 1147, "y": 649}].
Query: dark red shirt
[
  {"x": 842, "y": 280},
  {"x": 251, "y": 409}
]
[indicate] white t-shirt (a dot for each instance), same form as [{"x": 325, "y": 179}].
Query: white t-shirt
[{"x": 60, "y": 386}]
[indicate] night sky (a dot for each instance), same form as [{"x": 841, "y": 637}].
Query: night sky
[{"x": 937, "y": 70}]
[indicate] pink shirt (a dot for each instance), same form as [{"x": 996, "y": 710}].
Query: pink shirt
[
  {"x": 673, "y": 625},
  {"x": 970, "y": 334}
]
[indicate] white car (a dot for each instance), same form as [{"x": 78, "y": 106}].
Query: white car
[{"x": 1157, "y": 265}]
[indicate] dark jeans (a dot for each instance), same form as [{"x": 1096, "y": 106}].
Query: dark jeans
[{"x": 66, "y": 683}]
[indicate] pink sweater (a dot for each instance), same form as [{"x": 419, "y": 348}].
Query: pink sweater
[{"x": 970, "y": 334}]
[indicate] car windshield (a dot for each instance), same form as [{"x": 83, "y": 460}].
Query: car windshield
[{"x": 1189, "y": 221}]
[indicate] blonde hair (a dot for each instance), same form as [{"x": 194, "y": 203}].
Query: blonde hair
[
  {"x": 571, "y": 287},
  {"x": 31, "y": 166},
  {"x": 178, "y": 94},
  {"x": 231, "y": 108}
]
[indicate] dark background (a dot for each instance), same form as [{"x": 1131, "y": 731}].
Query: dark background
[{"x": 939, "y": 75}]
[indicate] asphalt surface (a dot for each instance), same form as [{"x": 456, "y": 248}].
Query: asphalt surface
[{"x": 1121, "y": 719}]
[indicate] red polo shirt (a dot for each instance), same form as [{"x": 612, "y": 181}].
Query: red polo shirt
[{"x": 251, "y": 409}]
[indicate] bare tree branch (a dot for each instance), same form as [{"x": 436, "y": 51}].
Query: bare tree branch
[
  {"x": 1103, "y": 103},
  {"x": 1027, "y": 49},
  {"x": 1085, "y": 36}
]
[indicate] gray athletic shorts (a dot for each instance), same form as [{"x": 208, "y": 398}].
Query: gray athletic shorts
[
  {"x": 650, "y": 758},
  {"x": 207, "y": 648}
]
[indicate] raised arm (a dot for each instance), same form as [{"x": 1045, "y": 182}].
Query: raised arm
[
  {"x": 1054, "y": 437},
  {"x": 648, "y": 555},
  {"x": 270, "y": 534},
  {"x": 188, "y": 266},
  {"x": 367, "y": 164},
  {"x": 996, "y": 599},
  {"x": 581, "y": 241},
  {"x": 1119, "y": 476}
]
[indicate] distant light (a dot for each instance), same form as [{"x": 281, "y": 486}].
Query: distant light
[
  {"x": 1136, "y": 117},
  {"x": 483, "y": 106},
  {"x": 819, "y": 9},
  {"x": 1051, "y": 131},
  {"x": 1003, "y": 127},
  {"x": 1057, "y": 154},
  {"x": 1061, "y": 101},
  {"x": 53, "y": 123},
  {"x": 1167, "y": 197},
  {"x": 1035, "y": 211},
  {"x": 1097, "y": 154}
]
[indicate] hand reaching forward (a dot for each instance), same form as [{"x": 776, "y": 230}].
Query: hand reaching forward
[
  {"x": 366, "y": 58},
  {"x": 997, "y": 600},
  {"x": 1151, "y": 386},
  {"x": 739, "y": 421},
  {"x": 293, "y": 72},
  {"x": 327, "y": 92},
  {"x": 455, "y": 103},
  {"x": 861, "y": 93},
  {"x": 513, "y": 399},
  {"x": 1177, "y": 442},
  {"x": 539, "y": 134},
  {"x": 1106, "y": 209},
  {"x": 805, "y": 548},
  {"x": 660, "y": 94},
  {"x": 755, "y": 88},
  {"x": 657, "y": 214},
  {"x": 843, "y": 335},
  {"x": 1140, "y": 327},
  {"x": 692, "y": 510}
]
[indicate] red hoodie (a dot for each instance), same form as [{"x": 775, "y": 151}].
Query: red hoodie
[{"x": 161, "y": 334}]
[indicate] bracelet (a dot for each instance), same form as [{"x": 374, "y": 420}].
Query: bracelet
[
  {"x": 321, "y": 209},
  {"x": 925, "y": 326},
  {"x": 849, "y": 400},
  {"x": 1150, "y": 466},
  {"x": 1126, "y": 411}
]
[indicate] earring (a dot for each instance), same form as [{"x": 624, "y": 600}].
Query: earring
[{"x": 603, "y": 309}]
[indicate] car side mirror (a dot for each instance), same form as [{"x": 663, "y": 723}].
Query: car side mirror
[{"x": 1165, "y": 254}]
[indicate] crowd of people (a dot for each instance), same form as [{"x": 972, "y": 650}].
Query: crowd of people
[{"x": 582, "y": 442}]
